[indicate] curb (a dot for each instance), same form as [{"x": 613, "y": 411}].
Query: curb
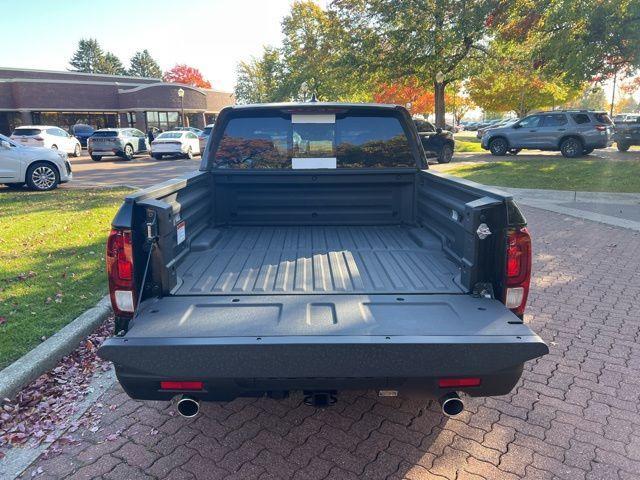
[
  {"x": 46, "y": 355},
  {"x": 572, "y": 196},
  {"x": 582, "y": 214}
]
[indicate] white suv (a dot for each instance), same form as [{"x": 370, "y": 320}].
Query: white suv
[
  {"x": 48, "y": 137},
  {"x": 40, "y": 168}
]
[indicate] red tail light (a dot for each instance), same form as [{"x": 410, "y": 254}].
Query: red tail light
[
  {"x": 518, "y": 270},
  {"x": 120, "y": 272},
  {"x": 459, "y": 382},
  {"x": 181, "y": 386},
  {"x": 601, "y": 128},
  {"x": 38, "y": 138}
]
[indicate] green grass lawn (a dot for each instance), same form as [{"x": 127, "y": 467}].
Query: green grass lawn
[
  {"x": 51, "y": 261},
  {"x": 463, "y": 146},
  {"x": 467, "y": 142},
  {"x": 561, "y": 174}
]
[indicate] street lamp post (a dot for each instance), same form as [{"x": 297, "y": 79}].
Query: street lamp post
[{"x": 181, "y": 95}]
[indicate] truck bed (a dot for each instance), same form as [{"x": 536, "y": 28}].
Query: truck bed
[{"x": 316, "y": 259}]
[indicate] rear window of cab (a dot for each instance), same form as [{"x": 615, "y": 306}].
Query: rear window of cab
[{"x": 310, "y": 141}]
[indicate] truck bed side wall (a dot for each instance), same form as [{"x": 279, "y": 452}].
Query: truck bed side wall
[
  {"x": 453, "y": 209},
  {"x": 183, "y": 202}
]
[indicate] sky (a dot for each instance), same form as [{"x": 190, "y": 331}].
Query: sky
[{"x": 211, "y": 35}]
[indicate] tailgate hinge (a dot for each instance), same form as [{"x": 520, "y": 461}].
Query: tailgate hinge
[{"x": 483, "y": 290}]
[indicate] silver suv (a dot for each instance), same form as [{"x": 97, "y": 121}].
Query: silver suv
[
  {"x": 123, "y": 142},
  {"x": 572, "y": 132}
]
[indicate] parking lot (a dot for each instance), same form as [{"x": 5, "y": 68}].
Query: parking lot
[
  {"x": 144, "y": 171},
  {"x": 574, "y": 415},
  {"x": 140, "y": 172}
]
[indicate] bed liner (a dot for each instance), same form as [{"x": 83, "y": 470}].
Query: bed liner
[{"x": 316, "y": 259}]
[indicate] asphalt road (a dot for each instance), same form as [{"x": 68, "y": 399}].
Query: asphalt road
[{"x": 143, "y": 171}]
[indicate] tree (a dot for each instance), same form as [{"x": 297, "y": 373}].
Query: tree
[
  {"x": 109, "y": 64},
  {"x": 592, "y": 97},
  {"x": 310, "y": 61},
  {"x": 142, "y": 64},
  {"x": 458, "y": 104},
  {"x": 583, "y": 40},
  {"x": 186, "y": 75},
  {"x": 88, "y": 56},
  {"x": 395, "y": 39},
  {"x": 260, "y": 79},
  {"x": 518, "y": 91},
  {"x": 410, "y": 94},
  {"x": 312, "y": 51},
  {"x": 626, "y": 104}
]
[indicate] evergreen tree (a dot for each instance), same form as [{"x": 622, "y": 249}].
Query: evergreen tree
[
  {"x": 143, "y": 65},
  {"x": 88, "y": 56},
  {"x": 109, "y": 64}
]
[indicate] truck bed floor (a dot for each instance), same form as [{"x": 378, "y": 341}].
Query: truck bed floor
[{"x": 316, "y": 259}]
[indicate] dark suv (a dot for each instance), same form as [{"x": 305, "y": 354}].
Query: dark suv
[
  {"x": 572, "y": 132},
  {"x": 436, "y": 142}
]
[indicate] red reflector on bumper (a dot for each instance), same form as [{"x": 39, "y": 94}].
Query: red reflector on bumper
[
  {"x": 459, "y": 382},
  {"x": 181, "y": 386}
]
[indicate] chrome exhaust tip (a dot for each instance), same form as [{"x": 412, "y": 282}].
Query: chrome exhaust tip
[
  {"x": 188, "y": 407},
  {"x": 451, "y": 404}
]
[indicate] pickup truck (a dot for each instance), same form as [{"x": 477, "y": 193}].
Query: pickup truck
[
  {"x": 627, "y": 132},
  {"x": 314, "y": 251}
]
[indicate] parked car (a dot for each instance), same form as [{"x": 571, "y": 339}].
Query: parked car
[
  {"x": 121, "y": 142},
  {"x": 195, "y": 130},
  {"x": 315, "y": 251},
  {"x": 175, "y": 143},
  {"x": 437, "y": 143},
  {"x": 82, "y": 132},
  {"x": 204, "y": 136},
  {"x": 507, "y": 121},
  {"x": 47, "y": 136},
  {"x": 624, "y": 117},
  {"x": 572, "y": 132},
  {"x": 627, "y": 132},
  {"x": 40, "y": 168}
]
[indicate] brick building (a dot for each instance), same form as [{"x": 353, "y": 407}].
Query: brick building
[{"x": 66, "y": 98}]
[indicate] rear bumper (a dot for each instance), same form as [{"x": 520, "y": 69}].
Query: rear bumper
[
  {"x": 269, "y": 343},
  {"x": 170, "y": 150},
  {"x": 145, "y": 387}
]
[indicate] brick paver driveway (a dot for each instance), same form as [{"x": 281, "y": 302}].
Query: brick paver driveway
[{"x": 574, "y": 415}]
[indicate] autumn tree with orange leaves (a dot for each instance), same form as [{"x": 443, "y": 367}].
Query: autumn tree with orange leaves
[
  {"x": 187, "y": 76},
  {"x": 409, "y": 94}
]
